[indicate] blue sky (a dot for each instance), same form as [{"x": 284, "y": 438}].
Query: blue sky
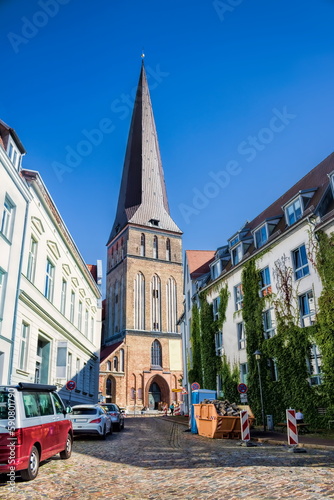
[{"x": 242, "y": 93}]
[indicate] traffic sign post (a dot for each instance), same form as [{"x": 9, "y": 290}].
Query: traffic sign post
[
  {"x": 70, "y": 386},
  {"x": 195, "y": 386}
]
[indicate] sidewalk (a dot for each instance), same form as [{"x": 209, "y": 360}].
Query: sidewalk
[{"x": 273, "y": 437}]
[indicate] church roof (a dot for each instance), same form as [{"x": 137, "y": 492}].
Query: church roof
[{"x": 143, "y": 197}]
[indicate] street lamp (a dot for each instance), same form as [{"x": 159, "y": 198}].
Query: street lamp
[{"x": 257, "y": 355}]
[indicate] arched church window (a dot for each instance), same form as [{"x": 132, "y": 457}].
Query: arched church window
[
  {"x": 156, "y": 354},
  {"x": 168, "y": 251},
  {"x": 155, "y": 248},
  {"x": 115, "y": 364},
  {"x": 139, "y": 302},
  {"x": 109, "y": 366},
  {"x": 171, "y": 305},
  {"x": 156, "y": 303},
  {"x": 108, "y": 387},
  {"x": 121, "y": 360},
  {"x": 142, "y": 245}
]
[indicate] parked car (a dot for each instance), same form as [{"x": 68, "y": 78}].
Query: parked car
[
  {"x": 116, "y": 414},
  {"x": 34, "y": 426},
  {"x": 91, "y": 419}
]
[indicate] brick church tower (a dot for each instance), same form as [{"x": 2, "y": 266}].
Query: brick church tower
[{"x": 141, "y": 359}]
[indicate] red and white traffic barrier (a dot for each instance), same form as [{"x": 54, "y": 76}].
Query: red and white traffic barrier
[
  {"x": 292, "y": 427},
  {"x": 244, "y": 423}
]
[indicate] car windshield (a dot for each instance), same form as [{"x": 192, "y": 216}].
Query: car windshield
[
  {"x": 110, "y": 407},
  {"x": 84, "y": 411}
]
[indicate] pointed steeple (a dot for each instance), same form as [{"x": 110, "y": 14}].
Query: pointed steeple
[{"x": 143, "y": 197}]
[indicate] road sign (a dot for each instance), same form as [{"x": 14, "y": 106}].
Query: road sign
[
  {"x": 195, "y": 386},
  {"x": 242, "y": 388},
  {"x": 70, "y": 385}
]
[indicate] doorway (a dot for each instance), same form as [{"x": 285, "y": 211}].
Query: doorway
[{"x": 154, "y": 396}]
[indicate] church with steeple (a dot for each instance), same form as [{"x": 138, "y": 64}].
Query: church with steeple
[{"x": 141, "y": 359}]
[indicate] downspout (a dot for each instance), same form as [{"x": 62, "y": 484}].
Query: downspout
[{"x": 11, "y": 360}]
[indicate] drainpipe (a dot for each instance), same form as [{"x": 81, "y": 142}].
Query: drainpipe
[{"x": 11, "y": 359}]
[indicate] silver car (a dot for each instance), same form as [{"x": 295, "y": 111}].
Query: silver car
[
  {"x": 116, "y": 414},
  {"x": 90, "y": 419}
]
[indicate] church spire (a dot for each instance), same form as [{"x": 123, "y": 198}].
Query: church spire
[{"x": 143, "y": 197}]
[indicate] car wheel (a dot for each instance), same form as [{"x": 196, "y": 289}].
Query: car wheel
[
  {"x": 122, "y": 425},
  {"x": 118, "y": 426},
  {"x": 33, "y": 466},
  {"x": 65, "y": 454}
]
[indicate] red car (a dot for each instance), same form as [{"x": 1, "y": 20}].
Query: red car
[{"x": 34, "y": 426}]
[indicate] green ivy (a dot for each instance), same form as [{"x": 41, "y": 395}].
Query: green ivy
[
  {"x": 195, "y": 373},
  {"x": 208, "y": 348},
  {"x": 230, "y": 380},
  {"x": 324, "y": 335}
]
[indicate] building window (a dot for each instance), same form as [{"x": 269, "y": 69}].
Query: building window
[
  {"x": 314, "y": 365},
  {"x": 142, "y": 245},
  {"x": 268, "y": 324},
  {"x": 293, "y": 212},
  {"x": 171, "y": 305},
  {"x": 115, "y": 364},
  {"x": 49, "y": 280},
  {"x": 62, "y": 360},
  {"x": 32, "y": 260},
  {"x": 7, "y": 218},
  {"x": 237, "y": 254},
  {"x": 243, "y": 372},
  {"x": 139, "y": 302},
  {"x": 265, "y": 284},
  {"x": 300, "y": 262},
  {"x": 2, "y": 290},
  {"x": 91, "y": 329},
  {"x": 168, "y": 250},
  {"x": 80, "y": 316},
  {"x": 155, "y": 248},
  {"x": 215, "y": 304},
  {"x": 121, "y": 360},
  {"x": 219, "y": 343},
  {"x": 238, "y": 295},
  {"x": 63, "y": 296},
  {"x": 261, "y": 236},
  {"x": 69, "y": 366},
  {"x": 109, "y": 366},
  {"x": 272, "y": 365},
  {"x": 241, "y": 336},
  {"x": 72, "y": 307},
  {"x": 156, "y": 303},
  {"x": 77, "y": 372},
  {"x": 156, "y": 354},
  {"x": 23, "y": 346},
  {"x": 108, "y": 387},
  {"x": 86, "y": 322},
  {"x": 306, "y": 307},
  {"x": 216, "y": 270}
]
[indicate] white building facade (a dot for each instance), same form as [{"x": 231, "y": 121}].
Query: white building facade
[
  {"x": 56, "y": 329},
  {"x": 280, "y": 235}
]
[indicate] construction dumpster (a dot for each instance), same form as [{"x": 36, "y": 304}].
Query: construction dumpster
[{"x": 211, "y": 424}]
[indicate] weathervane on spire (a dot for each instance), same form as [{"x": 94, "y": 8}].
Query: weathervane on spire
[{"x": 142, "y": 56}]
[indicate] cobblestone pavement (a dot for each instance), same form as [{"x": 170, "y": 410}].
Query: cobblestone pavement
[{"x": 153, "y": 458}]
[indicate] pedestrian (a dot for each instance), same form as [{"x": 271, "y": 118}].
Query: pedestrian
[
  {"x": 299, "y": 417},
  {"x": 171, "y": 409}
]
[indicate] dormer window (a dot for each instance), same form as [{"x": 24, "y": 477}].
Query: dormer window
[
  {"x": 293, "y": 212},
  {"x": 13, "y": 154},
  {"x": 261, "y": 236},
  {"x": 215, "y": 269},
  {"x": 237, "y": 254},
  {"x": 294, "y": 209},
  {"x": 154, "y": 222}
]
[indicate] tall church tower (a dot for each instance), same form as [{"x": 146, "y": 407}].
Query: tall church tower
[{"x": 141, "y": 359}]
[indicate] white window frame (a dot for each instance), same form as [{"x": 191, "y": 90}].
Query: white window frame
[
  {"x": 49, "y": 279},
  {"x": 31, "y": 266},
  {"x": 265, "y": 288},
  {"x": 239, "y": 297},
  {"x": 308, "y": 318},
  {"x": 303, "y": 266},
  {"x": 63, "y": 296},
  {"x": 72, "y": 306},
  {"x": 259, "y": 242},
  {"x": 7, "y": 219},
  {"x": 269, "y": 329},
  {"x": 237, "y": 254},
  {"x": 24, "y": 340},
  {"x": 243, "y": 372},
  {"x": 241, "y": 336},
  {"x": 294, "y": 214},
  {"x": 3, "y": 278}
]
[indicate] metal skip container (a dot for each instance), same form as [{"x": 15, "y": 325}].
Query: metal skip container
[{"x": 211, "y": 424}]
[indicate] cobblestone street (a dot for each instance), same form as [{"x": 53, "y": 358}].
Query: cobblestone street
[{"x": 153, "y": 458}]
